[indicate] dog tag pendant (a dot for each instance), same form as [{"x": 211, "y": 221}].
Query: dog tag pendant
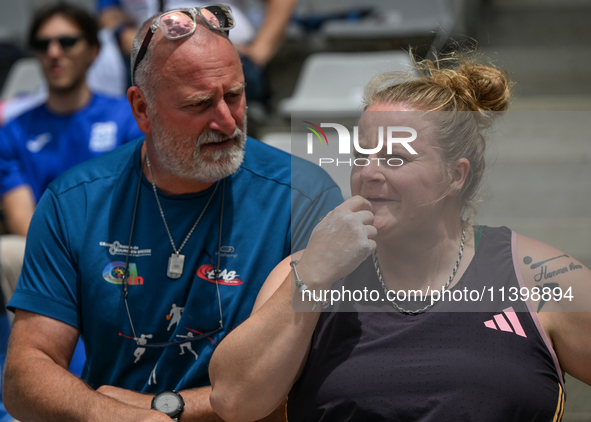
[{"x": 176, "y": 262}]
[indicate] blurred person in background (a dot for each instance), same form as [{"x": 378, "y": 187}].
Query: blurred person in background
[
  {"x": 73, "y": 125},
  {"x": 256, "y": 45},
  {"x": 106, "y": 75}
]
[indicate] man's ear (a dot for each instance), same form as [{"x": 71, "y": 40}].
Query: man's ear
[
  {"x": 139, "y": 108},
  {"x": 460, "y": 173},
  {"x": 93, "y": 53}
]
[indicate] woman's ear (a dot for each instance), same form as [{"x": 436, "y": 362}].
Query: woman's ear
[
  {"x": 139, "y": 108},
  {"x": 460, "y": 173}
]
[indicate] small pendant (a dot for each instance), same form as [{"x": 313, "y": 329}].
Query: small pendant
[{"x": 176, "y": 262}]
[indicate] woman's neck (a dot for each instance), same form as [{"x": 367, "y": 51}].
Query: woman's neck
[{"x": 426, "y": 259}]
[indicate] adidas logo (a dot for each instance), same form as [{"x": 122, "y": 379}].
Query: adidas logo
[{"x": 499, "y": 322}]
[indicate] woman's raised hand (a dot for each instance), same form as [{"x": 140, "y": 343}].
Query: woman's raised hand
[{"x": 340, "y": 242}]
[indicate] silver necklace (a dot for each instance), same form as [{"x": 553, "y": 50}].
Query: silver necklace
[
  {"x": 176, "y": 262},
  {"x": 426, "y": 308}
]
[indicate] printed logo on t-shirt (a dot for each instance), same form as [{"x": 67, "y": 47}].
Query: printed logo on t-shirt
[
  {"x": 500, "y": 321},
  {"x": 37, "y": 144},
  {"x": 116, "y": 248},
  {"x": 113, "y": 273},
  {"x": 141, "y": 341},
  {"x": 103, "y": 137},
  {"x": 227, "y": 278},
  {"x": 227, "y": 252}
]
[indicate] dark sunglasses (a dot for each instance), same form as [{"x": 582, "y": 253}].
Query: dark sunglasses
[
  {"x": 181, "y": 23},
  {"x": 42, "y": 44}
]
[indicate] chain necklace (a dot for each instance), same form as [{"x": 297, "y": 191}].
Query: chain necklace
[
  {"x": 176, "y": 262},
  {"x": 426, "y": 308}
]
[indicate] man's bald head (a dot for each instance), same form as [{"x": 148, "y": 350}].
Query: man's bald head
[{"x": 148, "y": 73}]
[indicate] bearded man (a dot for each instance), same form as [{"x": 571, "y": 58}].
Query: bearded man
[{"x": 195, "y": 215}]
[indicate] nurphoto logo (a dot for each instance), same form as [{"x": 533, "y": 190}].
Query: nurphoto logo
[{"x": 344, "y": 144}]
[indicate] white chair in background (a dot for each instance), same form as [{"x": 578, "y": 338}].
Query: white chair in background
[
  {"x": 399, "y": 20},
  {"x": 331, "y": 84},
  {"x": 24, "y": 78}
]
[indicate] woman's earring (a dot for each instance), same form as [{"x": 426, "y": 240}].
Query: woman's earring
[{"x": 458, "y": 192}]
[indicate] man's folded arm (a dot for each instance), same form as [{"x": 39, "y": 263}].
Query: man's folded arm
[{"x": 38, "y": 386}]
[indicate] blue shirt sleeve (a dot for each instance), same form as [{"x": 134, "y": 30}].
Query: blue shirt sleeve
[
  {"x": 4, "y": 334},
  {"x": 314, "y": 194},
  {"x": 103, "y": 4},
  {"x": 48, "y": 281},
  {"x": 11, "y": 173}
]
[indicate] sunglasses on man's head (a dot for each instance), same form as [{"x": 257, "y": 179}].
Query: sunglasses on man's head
[
  {"x": 181, "y": 23},
  {"x": 42, "y": 44}
]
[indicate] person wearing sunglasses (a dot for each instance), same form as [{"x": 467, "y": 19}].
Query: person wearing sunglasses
[
  {"x": 154, "y": 252},
  {"x": 71, "y": 126}
]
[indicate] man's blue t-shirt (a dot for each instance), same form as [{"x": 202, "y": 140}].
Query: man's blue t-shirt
[
  {"x": 103, "y": 4},
  {"x": 79, "y": 241},
  {"x": 39, "y": 145}
]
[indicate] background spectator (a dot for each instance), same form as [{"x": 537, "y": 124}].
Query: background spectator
[
  {"x": 255, "y": 45},
  {"x": 73, "y": 125}
]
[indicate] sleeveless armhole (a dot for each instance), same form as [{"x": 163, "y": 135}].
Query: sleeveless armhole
[
  {"x": 477, "y": 236},
  {"x": 534, "y": 315}
]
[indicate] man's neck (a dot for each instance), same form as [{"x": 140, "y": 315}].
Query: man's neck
[
  {"x": 68, "y": 101},
  {"x": 168, "y": 183}
]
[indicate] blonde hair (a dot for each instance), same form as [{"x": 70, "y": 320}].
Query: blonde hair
[{"x": 456, "y": 85}]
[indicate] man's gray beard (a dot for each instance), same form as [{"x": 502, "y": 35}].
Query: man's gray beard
[{"x": 220, "y": 163}]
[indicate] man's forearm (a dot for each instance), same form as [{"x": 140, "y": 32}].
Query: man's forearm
[
  {"x": 37, "y": 389},
  {"x": 197, "y": 407},
  {"x": 270, "y": 34},
  {"x": 113, "y": 18},
  {"x": 18, "y": 205}
]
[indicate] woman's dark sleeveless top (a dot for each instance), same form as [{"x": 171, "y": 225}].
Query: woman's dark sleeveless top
[{"x": 435, "y": 366}]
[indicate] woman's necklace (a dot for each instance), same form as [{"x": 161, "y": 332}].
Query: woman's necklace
[
  {"x": 176, "y": 262},
  {"x": 426, "y": 308}
]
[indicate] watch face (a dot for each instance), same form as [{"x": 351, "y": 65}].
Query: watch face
[{"x": 168, "y": 403}]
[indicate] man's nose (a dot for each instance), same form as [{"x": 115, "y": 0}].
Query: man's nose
[
  {"x": 223, "y": 120},
  {"x": 54, "y": 49}
]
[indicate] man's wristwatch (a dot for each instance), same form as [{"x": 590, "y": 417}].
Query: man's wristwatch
[{"x": 170, "y": 403}]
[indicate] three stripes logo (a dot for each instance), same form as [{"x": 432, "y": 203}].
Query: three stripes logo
[{"x": 506, "y": 321}]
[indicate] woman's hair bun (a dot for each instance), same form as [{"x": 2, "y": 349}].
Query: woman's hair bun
[
  {"x": 491, "y": 87},
  {"x": 480, "y": 87}
]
